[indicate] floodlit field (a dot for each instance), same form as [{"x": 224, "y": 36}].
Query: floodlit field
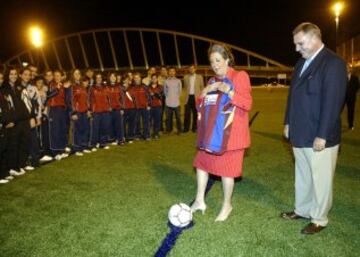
[{"x": 115, "y": 202}]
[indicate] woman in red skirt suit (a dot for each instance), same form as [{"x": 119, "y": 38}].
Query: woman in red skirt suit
[{"x": 229, "y": 164}]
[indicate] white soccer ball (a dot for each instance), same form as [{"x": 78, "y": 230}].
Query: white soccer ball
[{"x": 180, "y": 215}]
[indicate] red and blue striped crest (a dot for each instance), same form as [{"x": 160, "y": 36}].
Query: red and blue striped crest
[{"x": 215, "y": 117}]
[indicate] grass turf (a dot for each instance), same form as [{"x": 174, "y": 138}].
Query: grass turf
[{"x": 115, "y": 202}]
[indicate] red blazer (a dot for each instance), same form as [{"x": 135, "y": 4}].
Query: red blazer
[{"x": 240, "y": 133}]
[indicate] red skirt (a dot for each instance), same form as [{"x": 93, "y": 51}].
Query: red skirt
[{"x": 227, "y": 165}]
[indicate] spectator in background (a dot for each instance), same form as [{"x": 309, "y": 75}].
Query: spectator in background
[
  {"x": 147, "y": 80},
  {"x": 34, "y": 71},
  {"x": 89, "y": 73},
  {"x": 43, "y": 129},
  {"x": 172, "y": 91},
  {"x": 100, "y": 108},
  {"x": 142, "y": 101},
  {"x": 116, "y": 114},
  {"x": 7, "y": 124},
  {"x": 161, "y": 81},
  {"x": 156, "y": 93},
  {"x": 57, "y": 104},
  {"x": 193, "y": 85},
  {"x": 351, "y": 91}
]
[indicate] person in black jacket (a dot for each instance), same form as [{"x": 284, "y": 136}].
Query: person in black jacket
[
  {"x": 351, "y": 90},
  {"x": 19, "y": 140},
  {"x": 6, "y": 127}
]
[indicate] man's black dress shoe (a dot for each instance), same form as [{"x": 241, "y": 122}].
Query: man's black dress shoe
[
  {"x": 311, "y": 229},
  {"x": 291, "y": 216}
]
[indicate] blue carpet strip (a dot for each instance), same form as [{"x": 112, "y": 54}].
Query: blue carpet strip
[{"x": 169, "y": 241}]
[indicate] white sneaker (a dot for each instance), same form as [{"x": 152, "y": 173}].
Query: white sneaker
[
  {"x": 86, "y": 151},
  {"x": 79, "y": 154},
  {"x": 4, "y": 181},
  {"x": 58, "y": 157},
  {"x": 114, "y": 143},
  {"x": 67, "y": 149},
  {"x": 29, "y": 168},
  {"x": 106, "y": 147},
  {"x": 64, "y": 155},
  {"x": 15, "y": 173},
  {"x": 9, "y": 177},
  {"x": 130, "y": 142},
  {"x": 22, "y": 171},
  {"x": 97, "y": 145},
  {"x": 94, "y": 149},
  {"x": 46, "y": 158}
]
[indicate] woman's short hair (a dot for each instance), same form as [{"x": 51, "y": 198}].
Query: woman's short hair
[{"x": 223, "y": 50}]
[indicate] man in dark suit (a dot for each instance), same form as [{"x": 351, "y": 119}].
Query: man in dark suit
[
  {"x": 312, "y": 124},
  {"x": 352, "y": 88}
]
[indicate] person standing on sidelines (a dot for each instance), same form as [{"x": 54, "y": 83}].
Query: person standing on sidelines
[
  {"x": 57, "y": 116},
  {"x": 43, "y": 129},
  {"x": 193, "y": 84},
  {"x": 312, "y": 124},
  {"x": 129, "y": 108},
  {"x": 100, "y": 111},
  {"x": 156, "y": 93},
  {"x": 116, "y": 114},
  {"x": 353, "y": 86},
  {"x": 7, "y": 124},
  {"x": 172, "y": 91},
  {"x": 80, "y": 117},
  {"x": 142, "y": 100}
]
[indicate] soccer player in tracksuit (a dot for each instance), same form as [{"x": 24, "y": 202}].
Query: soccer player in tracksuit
[
  {"x": 116, "y": 114},
  {"x": 57, "y": 116},
  {"x": 142, "y": 100},
  {"x": 129, "y": 110},
  {"x": 80, "y": 117},
  {"x": 37, "y": 110},
  {"x": 156, "y": 93},
  {"x": 100, "y": 108},
  {"x": 20, "y": 136},
  {"x": 43, "y": 129},
  {"x": 7, "y": 123}
]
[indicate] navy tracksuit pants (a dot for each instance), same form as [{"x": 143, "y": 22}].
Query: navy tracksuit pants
[
  {"x": 129, "y": 123},
  {"x": 99, "y": 129},
  {"x": 80, "y": 132},
  {"x": 156, "y": 113},
  {"x": 143, "y": 118},
  {"x": 57, "y": 130},
  {"x": 117, "y": 126}
]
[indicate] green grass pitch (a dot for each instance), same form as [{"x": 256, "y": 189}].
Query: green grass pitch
[{"x": 115, "y": 202}]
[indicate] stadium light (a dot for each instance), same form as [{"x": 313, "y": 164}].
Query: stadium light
[
  {"x": 36, "y": 36},
  {"x": 337, "y": 8}
]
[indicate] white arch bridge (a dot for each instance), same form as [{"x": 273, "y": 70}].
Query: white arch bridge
[{"x": 122, "y": 49}]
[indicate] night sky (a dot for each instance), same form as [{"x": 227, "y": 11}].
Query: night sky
[{"x": 260, "y": 26}]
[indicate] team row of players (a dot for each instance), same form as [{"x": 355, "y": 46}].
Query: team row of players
[{"x": 36, "y": 113}]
